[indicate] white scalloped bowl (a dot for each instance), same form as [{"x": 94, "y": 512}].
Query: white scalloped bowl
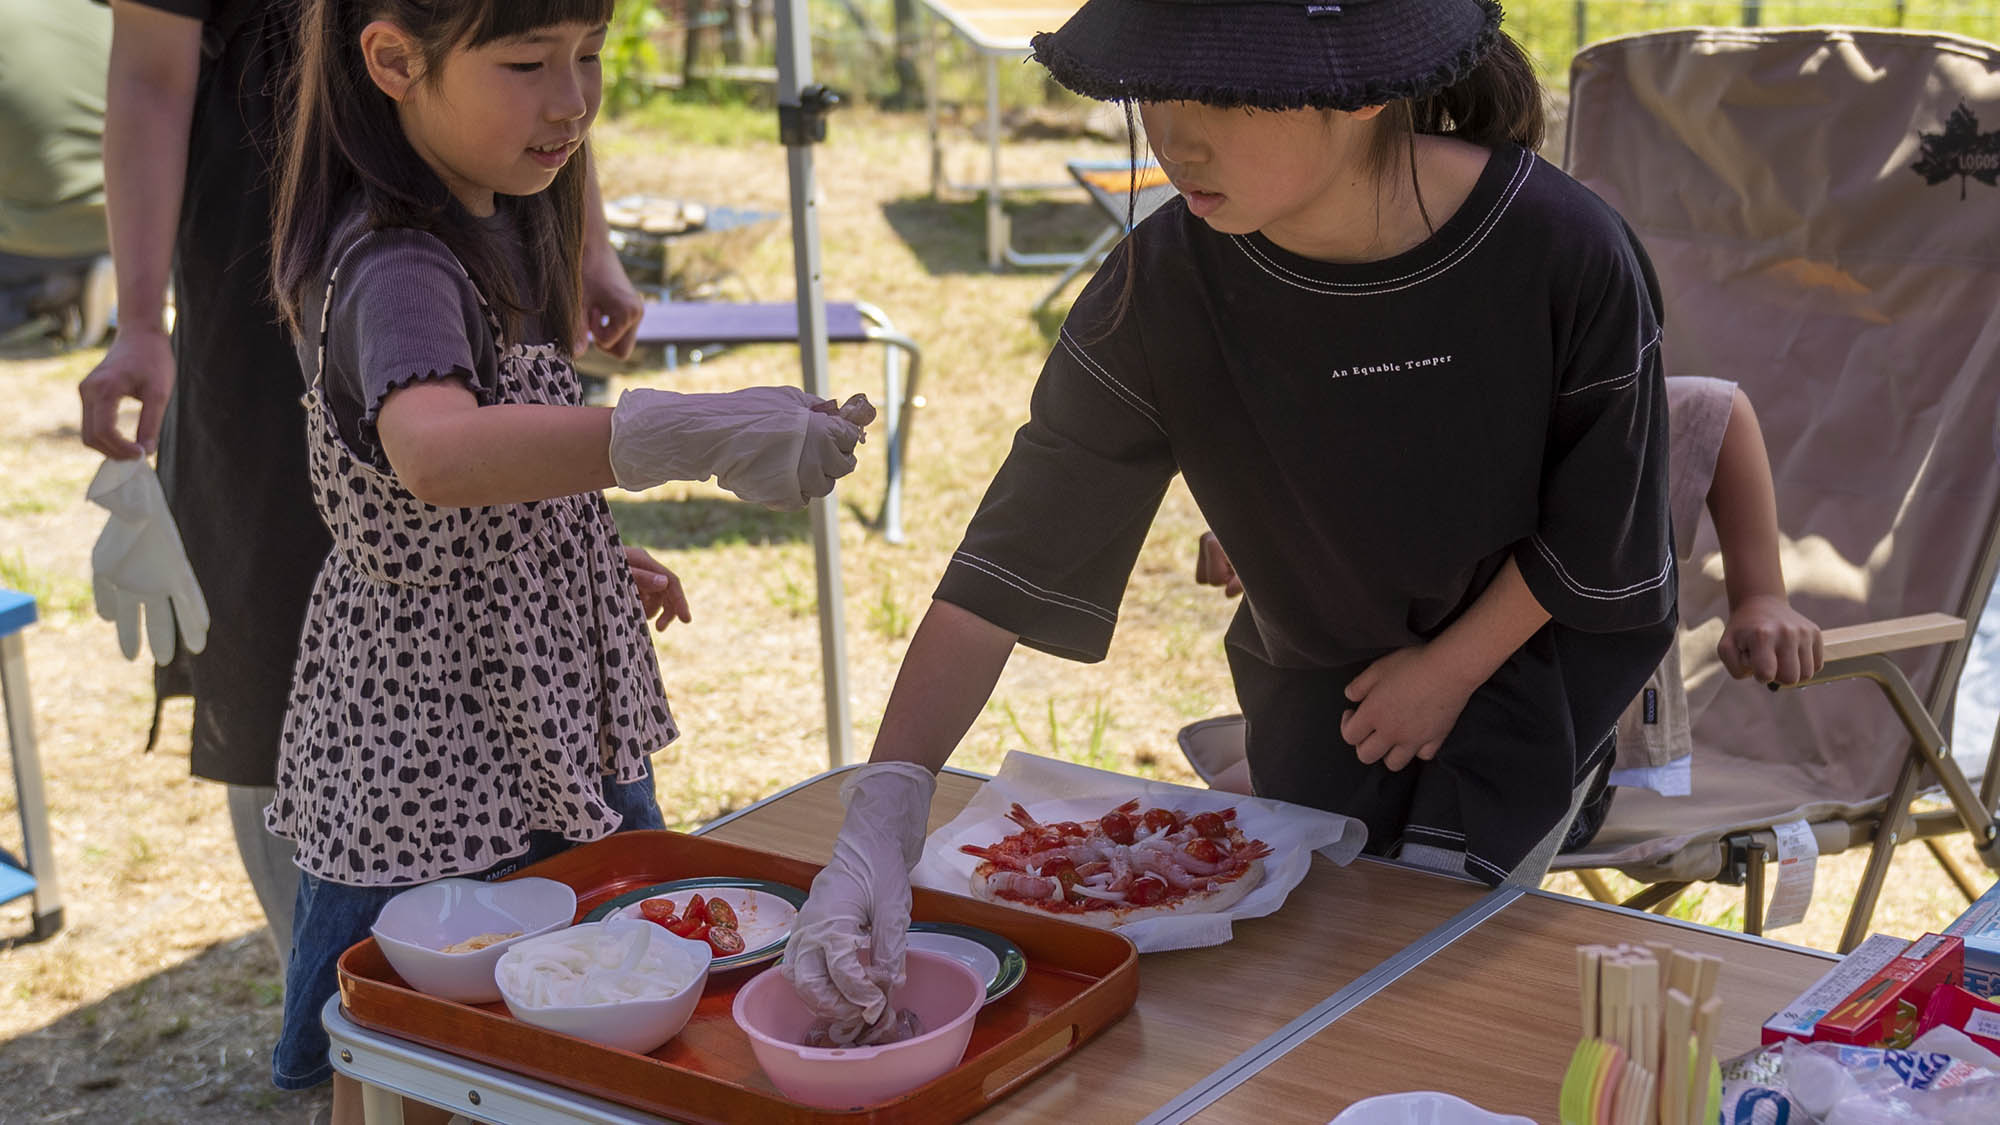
[
  {"x": 638, "y": 1026},
  {"x": 1422, "y": 1107},
  {"x": 415, "y": 926}
]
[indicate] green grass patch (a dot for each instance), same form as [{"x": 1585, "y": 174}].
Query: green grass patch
[
  {"x": 1553, "y": 30},
  {"x": 54, "y": 594}
]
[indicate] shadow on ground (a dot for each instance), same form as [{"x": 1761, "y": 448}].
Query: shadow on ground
[
  {"x": 190, "y": 1043},
  {"x": 949, "y": 236},
  {"x": 681, "y": 525}
]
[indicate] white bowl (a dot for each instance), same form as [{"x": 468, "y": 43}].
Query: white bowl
[
  {"x": 1422, "y": 1107},
  {"x": 638, "y": 1026},
  {"x": 415, "y": 926}
]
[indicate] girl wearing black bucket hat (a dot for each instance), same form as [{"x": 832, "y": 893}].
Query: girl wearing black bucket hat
[{"x": 1411, "y": 375}]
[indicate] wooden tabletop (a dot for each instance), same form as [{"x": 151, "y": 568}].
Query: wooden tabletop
[
  {"x": 1003, "y": 25},
  {"x": 1484, "y": 1006},
  {"x": 1199, "y": 1008},
  {"x": 1492, "y": 1017}
]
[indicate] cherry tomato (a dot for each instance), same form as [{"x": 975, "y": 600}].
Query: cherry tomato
[
  {"x": 1118, "y": 826},
  {"x": 684, "y": 926},
  {"x": 1209, "y": 824},
  {"x": 659, "y": 910},
  {"x": 1205, "y": 850},
  {"x": 724, "y": 940},
  {"x": 697, "y": 909},
  {"x": 1063, "y": 872},
  {"x": 1146, "y": 890},
  {"x": 699, "y": 932},
  {"x": 721, "y": 913},
  {"x": 1161, "y": 820}
]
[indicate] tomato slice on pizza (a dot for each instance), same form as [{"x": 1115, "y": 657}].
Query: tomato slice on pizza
[{"x": 1131, "y": 863}]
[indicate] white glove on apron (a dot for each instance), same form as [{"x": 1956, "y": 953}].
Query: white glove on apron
[{"x": 138, "y": 562}]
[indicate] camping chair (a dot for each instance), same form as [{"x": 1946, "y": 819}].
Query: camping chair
[
  {"x": 1797, "y": 194},
  {"x": 37, "y": 876},
  {"x": 1803, "y": 195},
  {"x": 1125, "y": 193}
]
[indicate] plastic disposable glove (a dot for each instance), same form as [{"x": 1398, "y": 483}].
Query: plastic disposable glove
[
  {"x": 138, "y": 562},
  {"x": 846, "y": 951},
  {"x": 765, "y": 444}
]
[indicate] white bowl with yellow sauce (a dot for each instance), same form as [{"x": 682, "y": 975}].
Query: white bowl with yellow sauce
[{"x": 444, "y": 938}]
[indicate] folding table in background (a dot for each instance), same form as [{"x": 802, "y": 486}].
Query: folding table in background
[
  {"x": 37, "y": 876},
  {"x": 995, "y": 30}
]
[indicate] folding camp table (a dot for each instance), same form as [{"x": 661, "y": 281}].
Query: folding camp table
[
  {"x": 17, "y": 612},
  {"x": 1352, "y": 953},
  {"x": 995, "y": 30},
  {"x": 695, "y": 324}
]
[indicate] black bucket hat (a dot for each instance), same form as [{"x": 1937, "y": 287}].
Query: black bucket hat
[{"x": 1268, "y": 54}]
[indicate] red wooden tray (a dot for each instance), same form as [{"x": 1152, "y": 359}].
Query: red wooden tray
[{"x": 1079, "y": 981}]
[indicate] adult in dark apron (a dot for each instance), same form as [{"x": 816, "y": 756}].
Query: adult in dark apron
[{"x": 231, "y": 445}]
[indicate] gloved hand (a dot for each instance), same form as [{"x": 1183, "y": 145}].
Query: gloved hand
[
  {"x": 846, "y": 952},
  {"x": 765, "y": 444},
  {"x": 138, "y": 562}
]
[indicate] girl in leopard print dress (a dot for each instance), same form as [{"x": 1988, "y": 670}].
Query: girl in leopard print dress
[{"x": 475, "y": 688}]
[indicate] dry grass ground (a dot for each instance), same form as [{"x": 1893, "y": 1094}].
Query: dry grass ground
[{"x": 158, "y": 1001}]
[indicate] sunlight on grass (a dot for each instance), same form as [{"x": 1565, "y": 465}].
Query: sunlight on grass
[{"x": 53, "y": 593}]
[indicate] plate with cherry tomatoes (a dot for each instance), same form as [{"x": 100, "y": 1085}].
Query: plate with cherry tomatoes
[{"x": 746, "y": 921}]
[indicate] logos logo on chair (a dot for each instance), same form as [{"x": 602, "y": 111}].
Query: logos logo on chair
[{"x": 1961, "y": 150}]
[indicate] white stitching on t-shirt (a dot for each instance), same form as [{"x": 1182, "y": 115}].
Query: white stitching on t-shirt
[
  {"x": 1493, "y": 867},
  {"x": 1602, "y": 593},
  {"x": 1444, "y": 833},
  {"x": 1131, "y": 397},
  {"x": 1487, "y": 224},
  {"x": 1619, "y": 379},
  {"x": 1039, "y": 593}
]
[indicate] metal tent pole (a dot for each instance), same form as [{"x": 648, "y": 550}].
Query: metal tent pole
[{"x": 802, "y": 108}]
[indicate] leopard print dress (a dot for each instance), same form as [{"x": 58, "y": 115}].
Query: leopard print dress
[{"x": 466, "y": 675}]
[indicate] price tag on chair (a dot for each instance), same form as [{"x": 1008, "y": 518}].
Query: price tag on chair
[{"x": 1798, "y": 856}]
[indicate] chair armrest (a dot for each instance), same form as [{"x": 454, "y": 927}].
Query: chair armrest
[{"x": 1893, "y": 635}]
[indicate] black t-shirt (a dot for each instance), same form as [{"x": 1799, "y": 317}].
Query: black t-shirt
[{"x": 1370, "y": 442}]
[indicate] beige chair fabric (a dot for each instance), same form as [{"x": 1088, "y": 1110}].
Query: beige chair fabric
[{"x": 1782, "y": 181}]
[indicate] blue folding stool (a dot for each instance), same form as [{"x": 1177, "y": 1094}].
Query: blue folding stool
[{"x": 17, "y": 612}]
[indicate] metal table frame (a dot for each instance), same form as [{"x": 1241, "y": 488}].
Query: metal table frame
[
  {"x": 390, "y": 1068},
  {"x": 991, "y": 50}
]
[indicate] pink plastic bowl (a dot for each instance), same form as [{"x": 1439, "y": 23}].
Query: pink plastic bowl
[{"x": 944, "y": 992}]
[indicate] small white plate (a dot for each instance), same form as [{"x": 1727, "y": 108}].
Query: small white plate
[
  {"x": 979, "y": 958},
  {"x": 997, "y": 961}
]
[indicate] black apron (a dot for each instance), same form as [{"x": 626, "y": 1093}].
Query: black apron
[{"x": 232, "y": 447}]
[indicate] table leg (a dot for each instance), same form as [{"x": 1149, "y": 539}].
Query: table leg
[
  {"x": 41, "y": 857},
  {"x": 928, "y": 30},
  {"x": 379, "y": 1106},
  {"x": 996, "y": 217}
]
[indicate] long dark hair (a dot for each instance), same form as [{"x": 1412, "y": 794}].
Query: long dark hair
[
  {"x": 1499, "y": 101},
  {"x": 344, "y": 140}
]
